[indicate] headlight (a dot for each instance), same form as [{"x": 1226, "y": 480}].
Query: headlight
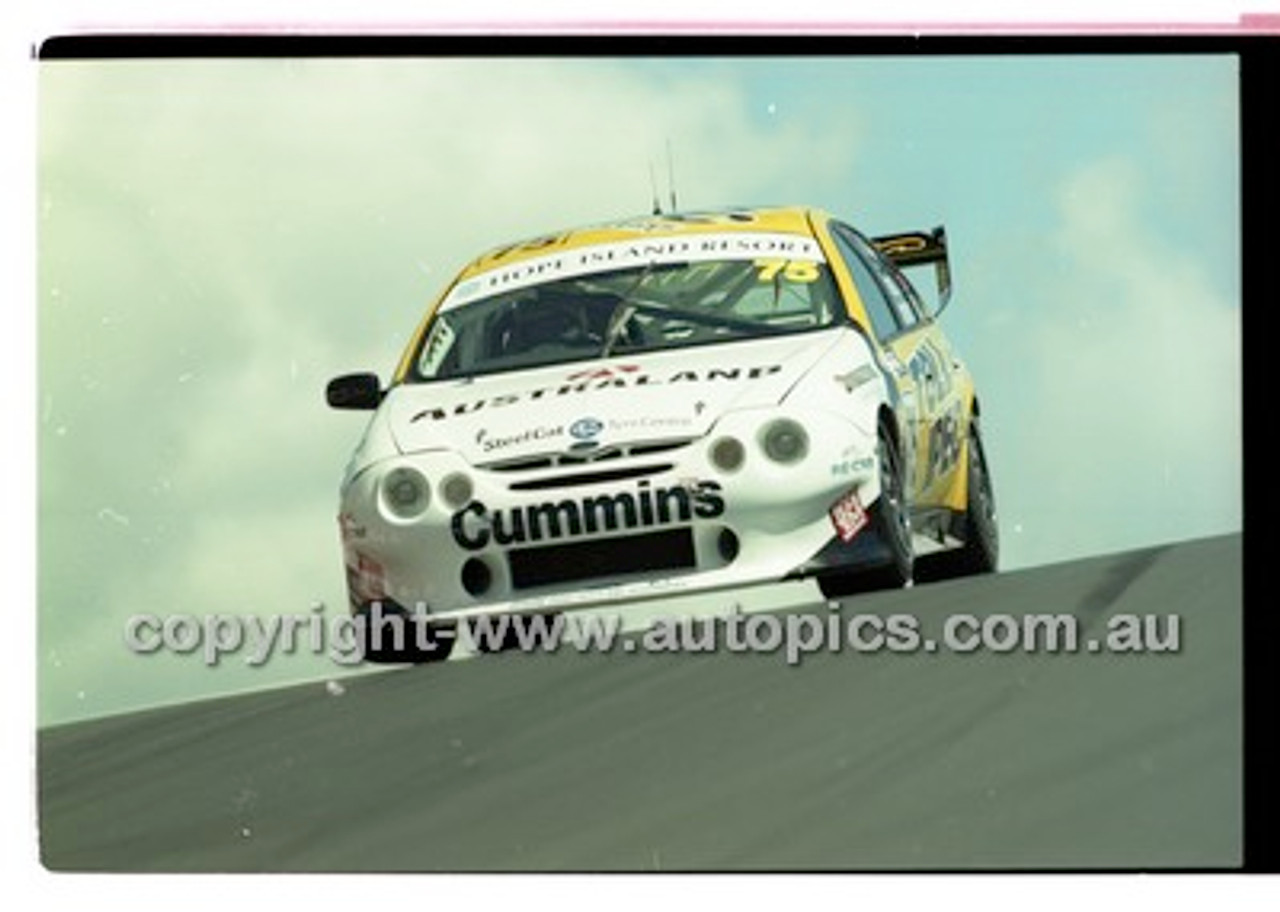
[
  {"x": 728, "y": 454},
  {"x": 785, "y": 441},
  {"x": 456, "y": 491},
  {"x": 405, "y": 493}
]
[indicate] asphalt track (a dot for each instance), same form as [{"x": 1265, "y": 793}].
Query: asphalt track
[{"x": 710, "y": 762}]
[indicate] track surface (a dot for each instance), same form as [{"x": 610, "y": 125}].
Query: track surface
[{"x": 591, "y": 762}]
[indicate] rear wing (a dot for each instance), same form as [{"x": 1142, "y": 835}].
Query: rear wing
[{"x": 918, "y": 248}]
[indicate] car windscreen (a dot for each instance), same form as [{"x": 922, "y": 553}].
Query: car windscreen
[{"x": 654, "y": 307}]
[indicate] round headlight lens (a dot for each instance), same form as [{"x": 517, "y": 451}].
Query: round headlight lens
[
  {"x": 405, "y": 492},
  {"x": 728, "y": 454},
  {"x": 785, "y": 441},
  {"x": 456, "y": 491}
]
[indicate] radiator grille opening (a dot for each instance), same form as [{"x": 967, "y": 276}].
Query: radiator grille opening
[
  {"x": 555, "y": 460},
  {"x": 670, "y": 549},
  {"x": 576, "y": 479}
]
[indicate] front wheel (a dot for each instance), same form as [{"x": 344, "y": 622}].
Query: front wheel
[
  {"x": 517, "y": 631},
  {"x": 391, "y": 635},
  {"x": 891, "y": 524},
  {"x": 981, "y": 550},
  {"x": 979, "y": 529}
]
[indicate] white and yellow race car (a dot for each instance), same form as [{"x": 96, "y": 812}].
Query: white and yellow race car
[{"x": 664, "y": 405}]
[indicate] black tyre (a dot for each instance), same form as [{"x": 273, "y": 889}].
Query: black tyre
[
  {"x": 891, "y": 518},
  {"x": 982, "y": 532},
  {"x": 393, "y": 636},
  {"x": 510, "y": 633},
  {"x": 980, "y": 552}
]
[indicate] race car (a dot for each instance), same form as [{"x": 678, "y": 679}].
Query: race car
[{"x": 664, "y": 405}]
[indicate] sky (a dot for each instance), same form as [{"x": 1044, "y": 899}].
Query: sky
[{"x": 218, "y": 238}]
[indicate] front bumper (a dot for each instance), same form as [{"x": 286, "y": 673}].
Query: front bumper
[{"x": 660, "y": 518}]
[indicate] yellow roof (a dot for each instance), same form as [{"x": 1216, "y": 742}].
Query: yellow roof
[{"x": 785, "y": 220}]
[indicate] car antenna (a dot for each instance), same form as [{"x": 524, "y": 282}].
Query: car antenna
[
  {"x": 653, "y": 187},
  {"x": 671, "y": 177}
]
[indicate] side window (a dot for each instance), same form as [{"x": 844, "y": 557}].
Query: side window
[
  {"x": 884, "y": 320},
  {"x": 902, "y": 297}
]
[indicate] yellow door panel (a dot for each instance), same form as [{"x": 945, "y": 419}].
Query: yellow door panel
[{"x": 941, "y": 393}]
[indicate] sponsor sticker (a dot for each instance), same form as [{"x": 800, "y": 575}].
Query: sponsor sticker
[
  {"x": 646, "y": 423},
  {"x": 489, "y": 443},
  {"x": 604, "y": 373},
  {"x": 476, "y": 526},
  {"x": 366, "y": 579},
  {"x": 848, "y": 516},
  {"x": 853, "y": 466},
  {"x": 600, "y": 380},
  {"x": 786, "y": 249},
  {"x": 586, "y": 428},
  {"x": 437, "y": 348},
  {"x": 863, "y": 373},
  {"x": 350, "y": 529}
]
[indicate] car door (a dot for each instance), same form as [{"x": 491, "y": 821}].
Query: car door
[
  {"x": 920, "y": 360},
  {"x": 934, "y": 368}
]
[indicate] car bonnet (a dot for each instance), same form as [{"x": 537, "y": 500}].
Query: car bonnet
[{"x": 576, "y": 407}]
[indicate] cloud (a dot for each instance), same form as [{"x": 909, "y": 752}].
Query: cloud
[
  {"x": 1134, "y": 363},
  {"x": 217, "y": 238}
]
